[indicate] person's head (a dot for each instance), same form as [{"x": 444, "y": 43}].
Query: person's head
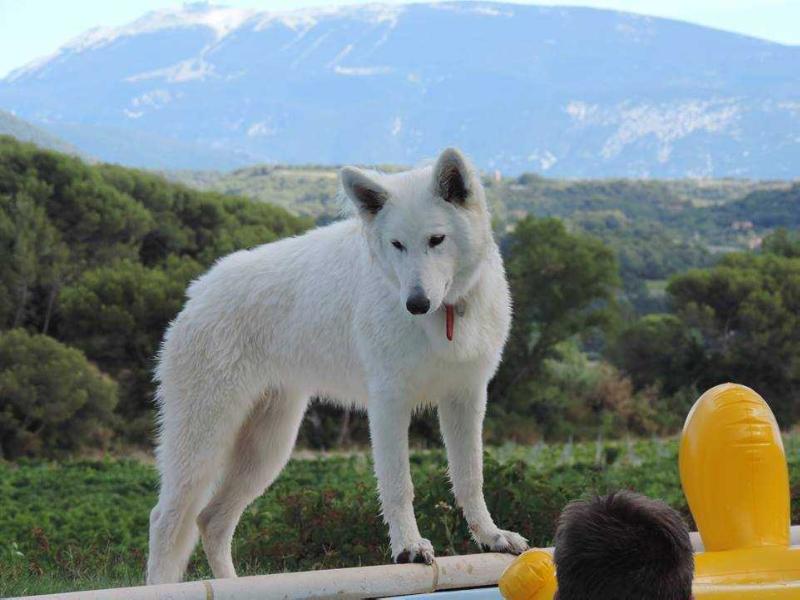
[{"x": 623, "y": 546}]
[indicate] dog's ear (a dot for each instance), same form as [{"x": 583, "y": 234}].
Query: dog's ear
[
  {"x": 452, "y": 177},
  {"x": 368, "y": 195}
]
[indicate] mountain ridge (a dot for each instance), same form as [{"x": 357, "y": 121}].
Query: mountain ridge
[
  {"x": 20, "y": 129},
  {"x": 574, "y": 92}
]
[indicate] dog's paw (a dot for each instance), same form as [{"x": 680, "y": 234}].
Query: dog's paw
[
  {"x": 420, "y": 551},
  {"x": 505, "y": 541}
]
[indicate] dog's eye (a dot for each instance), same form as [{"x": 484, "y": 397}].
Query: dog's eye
[
  {"x": 398, "y": 245},
  {"x": 435, "y": 240}
]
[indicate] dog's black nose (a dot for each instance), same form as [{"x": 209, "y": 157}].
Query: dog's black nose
[{"x": 418, "y": 303}]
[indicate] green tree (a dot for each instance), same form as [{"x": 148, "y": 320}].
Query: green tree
[
  {"x": 200, "y": 225},
  {"x": 783, "y": 243},
  {"x": 737, "y": 321},
  {"x": 562, "y": 285},
  {"x": 95, "y": 220},
  {"x": 117, "y": 316},
  {"x": 51, "y": 399},
  {"x": 661, "y": 350},
  {"x": 37, "y": 259},
  {"x": 100, "y": 256},
  {"x": 747, "y": 309}
]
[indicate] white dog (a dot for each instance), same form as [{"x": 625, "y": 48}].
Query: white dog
[{"x": 402, "y": 306}]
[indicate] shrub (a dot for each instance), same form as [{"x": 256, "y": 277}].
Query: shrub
[
  {"x": 117, "y": 316},
  {"x": 52, "y": 400},
  {"x": 563, "y": 286}
]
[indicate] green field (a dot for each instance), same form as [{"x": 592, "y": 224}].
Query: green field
[{"x": 83, "y": 524}]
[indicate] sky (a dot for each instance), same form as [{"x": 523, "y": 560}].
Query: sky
[{"x": 30, "y": 29}]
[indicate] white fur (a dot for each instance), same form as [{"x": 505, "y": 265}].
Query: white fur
[{"x": 324, "y": 314}]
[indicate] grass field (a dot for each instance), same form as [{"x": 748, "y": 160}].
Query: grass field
[{"x": 83, "y": 524}]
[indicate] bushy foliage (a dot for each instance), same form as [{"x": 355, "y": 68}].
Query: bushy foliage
[
  {"x": 99, "y": 257},
  {"x": 738, "y": 321},
  {"x": 117, "y": 315},
  {"x": 52, "y": 401},
  {"x": 202, "y": 226},
  {"x": 35, "y": 260},
  {"x": 782, "y": 242},
  {"x": 656, "y": 228},
  {"x": 660, "y": 349},
  {"x": 646, "y": 251},
  {"x": 563, "y": 285},
  {"x": 747, "y": 310},
  {"x": 765, "y": 209},
  {"x": 575, "y": 397}
]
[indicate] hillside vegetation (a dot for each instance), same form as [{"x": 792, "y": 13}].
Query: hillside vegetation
[
  {"x": 96, "y": 260},
  {"x": 656, "y": 227},
  {"x": 308, "y": 190}
]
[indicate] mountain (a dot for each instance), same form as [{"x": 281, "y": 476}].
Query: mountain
[
  {"x": 574, "y": 92},
  {"x": 25, "y": 132}
]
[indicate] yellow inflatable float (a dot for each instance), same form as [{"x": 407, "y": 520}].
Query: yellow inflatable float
[{"x": 735, "y": 477}]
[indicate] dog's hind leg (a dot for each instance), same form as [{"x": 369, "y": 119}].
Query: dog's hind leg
[
  {"x": 263, "y": 446},
  {"x": 186, "y": 479},
  {"x": 197, "y": 432}
]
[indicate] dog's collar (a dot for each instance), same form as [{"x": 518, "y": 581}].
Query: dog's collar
[{"x": 450, "y": 311}]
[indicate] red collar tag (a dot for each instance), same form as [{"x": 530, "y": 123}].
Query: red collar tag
[{"x": 450, "y": 319}]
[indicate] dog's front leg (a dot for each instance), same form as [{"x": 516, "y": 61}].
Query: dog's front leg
[
  {"x": 461, "y": 421},
  {"x": 389, "y": 418}
]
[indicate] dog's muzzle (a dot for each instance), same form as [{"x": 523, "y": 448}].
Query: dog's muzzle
[{"x": 418, "y": 303}]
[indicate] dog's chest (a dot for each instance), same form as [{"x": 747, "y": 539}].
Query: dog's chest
[{"x": 478, "y": 333}]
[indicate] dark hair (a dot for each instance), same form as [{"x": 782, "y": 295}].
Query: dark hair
[{"x": 623, "y": 546}]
